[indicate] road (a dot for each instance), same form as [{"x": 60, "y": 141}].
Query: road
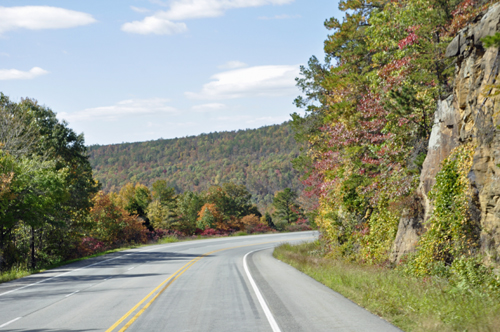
[{"x": 225, "y": 284}]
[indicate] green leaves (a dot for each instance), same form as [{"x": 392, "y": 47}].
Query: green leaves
[{"x": 286, "y": 207}]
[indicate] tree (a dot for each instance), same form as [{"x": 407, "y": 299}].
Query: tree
[
  {"x": 209, "y": 217},
  {"x": 32, "y": 192},
  {"x": 113, "y": 225},
  {"x": 163, "y": 193},
  {"x": 135, "y": 200},
  {"x": 188, "y": 206},
  {"x": 17, "y": 136},
  {"x": 286, "y": 207},
  {"x": 269, "y": 220}
]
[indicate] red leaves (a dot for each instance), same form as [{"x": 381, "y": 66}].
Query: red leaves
[
  {"x": 411, "y": 39},
  {"x": 395, "y": 72},
  {"x": 466, "y": 11}
]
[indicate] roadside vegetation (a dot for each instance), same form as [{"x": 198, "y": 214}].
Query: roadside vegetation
[
  {"x": 369, "y": 111},
  {"x": 410, "y": 303}
]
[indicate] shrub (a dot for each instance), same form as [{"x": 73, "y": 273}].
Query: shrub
[
  {"x": 90, "y": 246},
  {"x": 298, "y": 227},
  {"x": 259, "y": 228}
]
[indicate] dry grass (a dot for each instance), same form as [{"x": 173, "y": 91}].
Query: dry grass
[{"x": 411, "y": 304}]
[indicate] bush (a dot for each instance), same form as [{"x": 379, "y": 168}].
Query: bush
[
  {"x": 90, "y": 246},
  {"x": 298, "y": 227},
  {"x": 259, "y": 228}
]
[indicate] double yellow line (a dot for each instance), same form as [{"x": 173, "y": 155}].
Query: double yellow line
[{"x": 166, "y": 283}]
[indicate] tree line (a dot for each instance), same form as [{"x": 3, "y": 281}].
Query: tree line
[{"x": 260, "y": 159}]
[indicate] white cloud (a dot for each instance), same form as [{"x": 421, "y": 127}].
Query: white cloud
[
  {"x": 280, "y": 17},
  {"x": 4, "y": 54},
  {"x": 190, "y": 9},
  {"x": 139, "y": 10},
  {"x": 233, "y": 65},
  {"x": 209, "y": 107},
  {"x": 155, "y": 26},
  {"x": 259, "y": 81},
  {"x": 123, "y": 109},
  {"x": 41, "y": 17},
  {"x": 14, "y": 74}
]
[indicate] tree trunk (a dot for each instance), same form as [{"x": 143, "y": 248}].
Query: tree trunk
[
  {"x": 1, "y": 247},
  {"x": 33, "y": 263}
]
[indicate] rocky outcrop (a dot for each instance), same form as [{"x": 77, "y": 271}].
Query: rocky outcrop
[
  {"x": 409, "y": 229},
  {"x": 468, "y": 115}
]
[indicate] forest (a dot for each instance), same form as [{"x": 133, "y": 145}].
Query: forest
[{"x": 260, "y": 159}]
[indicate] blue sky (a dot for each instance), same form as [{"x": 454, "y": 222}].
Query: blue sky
[{"x": 136, "y": 70}]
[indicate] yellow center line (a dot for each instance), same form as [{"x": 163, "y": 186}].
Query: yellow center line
[
  {"x": 144, "y": 299},
  {"x": 175, "y": 275}
]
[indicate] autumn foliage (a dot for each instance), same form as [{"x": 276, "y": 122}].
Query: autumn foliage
[{"x": 369, "y": 114}]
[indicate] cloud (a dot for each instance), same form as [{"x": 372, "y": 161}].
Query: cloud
[
  {"x": 41, "y": 17},
  {"x": 123, "y": 109},
  {"x": 209, "y": 107},
  {"x": 4, "y": 54},
  {"x": 280, "y": 17},
  {"x": 154, "y": 25},
  {"x": 259, "y": 81},
  {"x": 190, "y": 9},
  {"x": 139, "y": 10},
  {"x": 233, "y": 65},
  {"x": 14, "y": 74}
]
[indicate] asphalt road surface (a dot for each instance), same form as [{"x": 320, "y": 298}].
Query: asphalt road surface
[{"x": 225, "y": 284}]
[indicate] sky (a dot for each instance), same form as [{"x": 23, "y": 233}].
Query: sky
[{"x": 138, "y": 70}]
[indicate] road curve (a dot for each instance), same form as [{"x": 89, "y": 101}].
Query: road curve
[{"x": 225, "y": 284}]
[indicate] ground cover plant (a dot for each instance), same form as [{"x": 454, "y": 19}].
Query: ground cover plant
[{"x": 410, "y": 303}]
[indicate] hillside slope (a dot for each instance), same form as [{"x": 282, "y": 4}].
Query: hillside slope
[{"x": 258, "y": 158}]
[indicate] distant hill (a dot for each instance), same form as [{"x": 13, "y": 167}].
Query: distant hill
[{"x": 258, "y": 158}]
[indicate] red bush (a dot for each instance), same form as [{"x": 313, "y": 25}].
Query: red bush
[
  {"x": 259, "y": 228},
  {"x": 90, "y": 246}
]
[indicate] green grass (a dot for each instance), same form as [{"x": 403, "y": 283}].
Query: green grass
[
  {"x": 14, "y": 273},
  {"x": 168, "y": 239},
  {"x": 412, "y": 304}
]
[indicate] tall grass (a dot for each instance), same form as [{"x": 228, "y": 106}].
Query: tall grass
[{"x": 412, "y": 304}]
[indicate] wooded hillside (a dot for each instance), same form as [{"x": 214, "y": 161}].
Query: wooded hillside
[{"x": 257, "y": 158}]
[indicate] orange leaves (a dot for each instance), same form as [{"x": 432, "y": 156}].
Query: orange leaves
[
  {"x": 113, "y": 225},
  {"x": 5, "y": 181}
]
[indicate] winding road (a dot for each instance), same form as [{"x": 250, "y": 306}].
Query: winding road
[{"x": 224, "y": 284}]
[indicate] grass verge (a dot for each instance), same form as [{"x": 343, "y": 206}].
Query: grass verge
[{"x": 412, "y": 304}]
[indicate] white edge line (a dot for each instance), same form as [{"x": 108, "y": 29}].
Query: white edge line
[
  {"x": 262, "y": 302},
  {"x": 12, "y": 321},
  {"x": 72, "y": 293}
]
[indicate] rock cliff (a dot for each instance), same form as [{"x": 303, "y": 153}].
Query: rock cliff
[{"x": 469, "y": 114}]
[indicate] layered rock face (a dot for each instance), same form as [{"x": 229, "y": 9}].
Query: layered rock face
[{"x": 467, "y": 115}]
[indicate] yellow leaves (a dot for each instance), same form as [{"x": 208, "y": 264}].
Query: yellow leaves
[{"x": 5, "y": 181}]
